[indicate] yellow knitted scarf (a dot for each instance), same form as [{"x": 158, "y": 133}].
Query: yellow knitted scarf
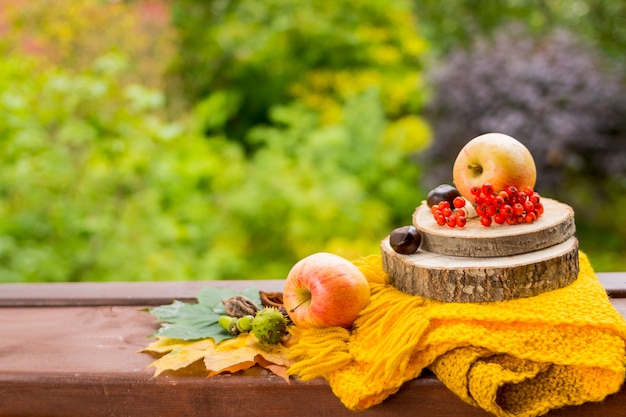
[{"x": 512, "y": 358}]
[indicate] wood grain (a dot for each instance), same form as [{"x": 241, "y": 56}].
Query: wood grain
[
  {"x": 118, "y": 293},
  {"x": 470, "y": 279},
  {"x": 556, "y": 225},
  {"x": 83, "y": 361}
]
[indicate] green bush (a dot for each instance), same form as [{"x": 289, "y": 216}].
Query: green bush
[
  {"x": 96, "y": 185},
  {"x": 246, "y": 57},
  {"x": 72, "y": 33},
  {"x": 296, "y": 140},
  {"x": 453, "y": 24}
]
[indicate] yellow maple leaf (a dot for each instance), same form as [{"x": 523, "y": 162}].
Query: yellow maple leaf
[
  {"x": 245, "y": 351},
  {"x": 164, "y": 345},
  {"x": 232, "y": 355},
  {"x": 180, "y": 353}
]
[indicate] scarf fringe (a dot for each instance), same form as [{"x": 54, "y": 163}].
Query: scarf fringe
[{"x": 318, "y": 352}]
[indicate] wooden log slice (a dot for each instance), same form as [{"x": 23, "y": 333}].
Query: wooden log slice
[
  {"x": 554, "y": 226},
  {"x": 469, "y": 279}
]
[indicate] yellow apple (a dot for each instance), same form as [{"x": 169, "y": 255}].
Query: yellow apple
[
  {"x": 493, "y": 158},
  {"x": 325, "y": 290}
]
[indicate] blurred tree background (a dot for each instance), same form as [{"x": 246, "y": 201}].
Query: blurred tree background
[{"x": 213, "y": 139}]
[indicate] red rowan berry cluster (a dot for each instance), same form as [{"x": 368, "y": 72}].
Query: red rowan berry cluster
[
  {"x": 453, "y": 216},
  {"x": 510, "y": 206}
]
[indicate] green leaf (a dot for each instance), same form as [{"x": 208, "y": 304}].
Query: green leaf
[
  {"x": 194, "y": 331},
  {"x": 214, "y": 296},
  {"x": 191, "y": 321}
]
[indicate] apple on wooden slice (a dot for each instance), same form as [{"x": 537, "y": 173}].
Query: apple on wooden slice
[
  {"x": 325, "y": 290},
  {"x": 493, "y": 158}
]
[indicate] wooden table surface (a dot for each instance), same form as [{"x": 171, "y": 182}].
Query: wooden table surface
[{"x": 72, "y": 350}]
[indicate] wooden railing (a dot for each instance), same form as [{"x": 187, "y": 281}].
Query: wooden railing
[{"x": 71, "y": 350}]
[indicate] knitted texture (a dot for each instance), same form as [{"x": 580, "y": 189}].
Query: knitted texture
[{"x": 519, "y": 357}]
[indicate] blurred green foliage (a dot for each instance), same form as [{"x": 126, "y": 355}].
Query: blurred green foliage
[
  {"x": 235, "y": 140},
  {"x": 98, "y": 183},
  {"x": 244, "y": 57},
  {"x": 600, "y": 22},
  {"x": 72, "y": 34}
]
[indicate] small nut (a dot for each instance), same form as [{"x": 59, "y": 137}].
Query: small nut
[
  {"x": 271, "y": 299},
  {"x": 239, "y": 306},
  {"x": 405, "y": 240}
]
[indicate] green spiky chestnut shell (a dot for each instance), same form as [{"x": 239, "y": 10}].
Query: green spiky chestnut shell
[{"x": 269, "y": 326}]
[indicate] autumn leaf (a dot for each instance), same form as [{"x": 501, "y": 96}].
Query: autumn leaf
[
  {"x": 164, "y": 345},
  {"x": 244, "y": 352},
  {"x": 236, "y": 354},
  {"x": 179, "y": 353}
]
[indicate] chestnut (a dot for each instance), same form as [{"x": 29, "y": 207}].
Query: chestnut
[
  {"x": 443, "y": 192},
  {"x": 405, "y": 240}
]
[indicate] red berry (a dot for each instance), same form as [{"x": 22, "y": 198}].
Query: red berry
[
  {"x": 434, "y": 208},
  {"x": 444, "y": 204},
  {"x": 446, "y": 211},
  {"x": 491, "y": 210},
  {"x": 539, "y": 208},
  {"x": 504, "y": 195},
  {"x": 451, "y": 222},
  {"x": 528, "y": 190},
  {"x": 499, "y": 218},
  {"x": 475, "y": 190},
  {"x": 512, "y": 191},
  {"x": 535, "y": 198},
  {"x": 459, "y": 202},
  {"x": 487, "y": 189},
  {"x": 461, "y": 221},
  {"x": 511, "y": 220},
  {"x": 485, "y": 221},
  {"x": 440, "y": 219},
  {"x": 530, "y": 217},
  {"x": 518, "y": 209},
  {"x": 507, "y": 210},
  {"x": 520, "y": 219},
  {"x": 528, "y": 206},
  {"x": 499, "y": 201}
]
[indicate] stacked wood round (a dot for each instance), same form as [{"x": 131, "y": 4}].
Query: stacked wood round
[{"x": 480, "y": 264}]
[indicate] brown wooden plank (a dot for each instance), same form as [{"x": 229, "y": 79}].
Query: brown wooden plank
[
  {"x": 116, "y": 293},
  {"x": 83, "y": 361},
  {"x": 78, "y": 361},
  {"x": 614, "y": 283},
  {"x": 241, "y": 395},
  {"x": 157, "y": 293}
]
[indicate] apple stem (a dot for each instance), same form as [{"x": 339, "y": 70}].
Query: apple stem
[
  {"x": 294, "y": 309},
  {"x": 476, "y": 168}
]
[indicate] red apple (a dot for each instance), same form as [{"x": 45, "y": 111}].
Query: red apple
[
  {"x": 325, "y": 290},
  {"x": 493, "y": 158}
]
